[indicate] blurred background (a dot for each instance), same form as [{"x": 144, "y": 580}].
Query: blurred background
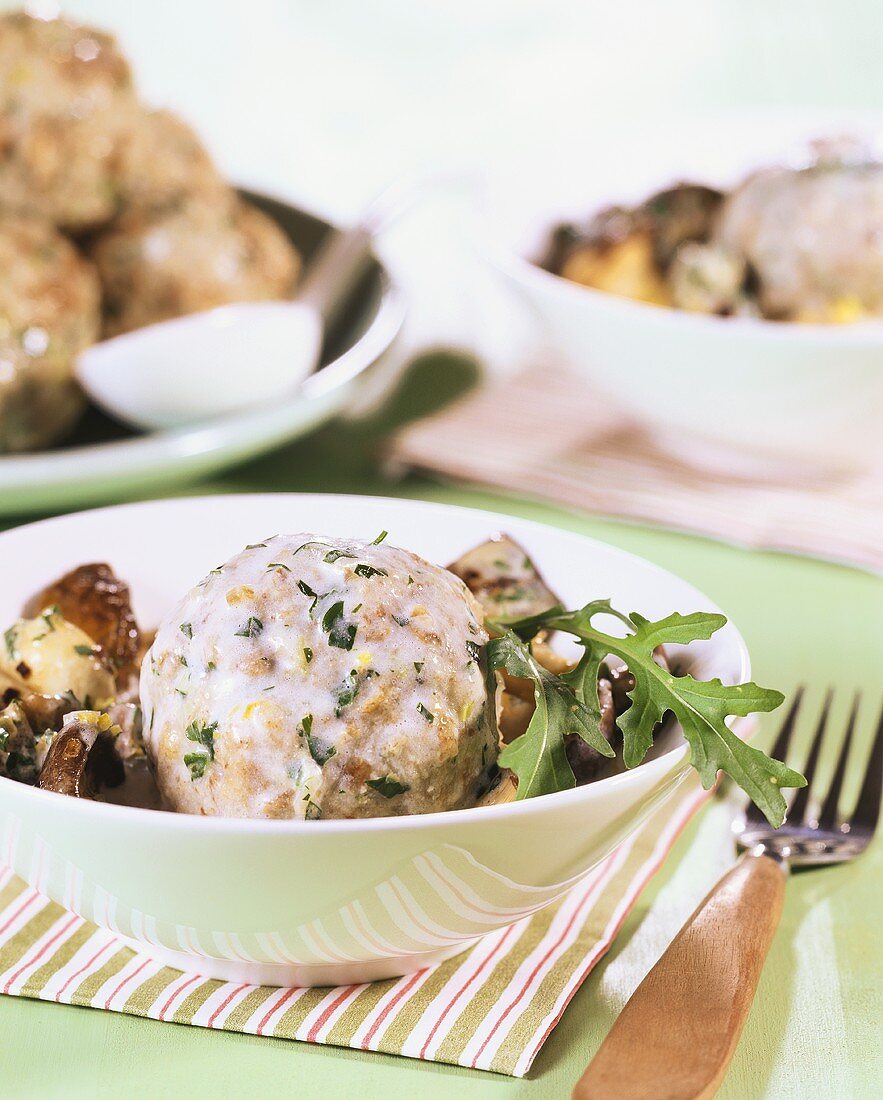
[{"x": 497, "y": 106}]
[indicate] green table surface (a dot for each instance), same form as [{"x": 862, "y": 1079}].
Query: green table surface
[{"x": 815, "y": 1024}]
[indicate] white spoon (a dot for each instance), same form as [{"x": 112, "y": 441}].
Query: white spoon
[{"x": 218, "y": 361}]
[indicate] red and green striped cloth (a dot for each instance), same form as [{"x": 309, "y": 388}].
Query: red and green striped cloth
[{"x": 490, "y": 1008}]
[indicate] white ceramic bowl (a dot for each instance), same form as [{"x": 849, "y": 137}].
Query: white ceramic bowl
[
  {"x": 805, "y": 394},
  {"x": 318, "y": 902}
]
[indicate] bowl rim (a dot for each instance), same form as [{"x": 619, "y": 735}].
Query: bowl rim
[
  {"x": 653, "y": 770},
  {"x": 518, "y": 266}
]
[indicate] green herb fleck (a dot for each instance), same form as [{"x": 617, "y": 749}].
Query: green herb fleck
[
  {"x": 203, "y": 735},
  {"x": 341, "y": 634},
  {"x": 186, "y": 629},
  {"x": 251, "y": 629},
  {"x": 346, "y": 692},
  {"x": 418, "y": 666},
  {"x": 308, "y": 654},
  {"x": 427, "y": 714},
  {"x": 84, "y": 650},
  {"x": 9, "y": 639},
  {"x": 402, "y": 620},
  {"x": 474, "y": 650},
  {"x": 365, "y": 570},
  {"x": 387, "y": 786},
  {"x": 380, "y": 538},
  {"x": 307, "y": 591},
  {"x": 211, "y": 666},
  {"x": 333, "y": 555},
  {"x": 279, "y": 565},
  {"x": 197, "y": 763},
  {"x": 410, "y": 579},
  {"x": 255, "y": 545},
  {"x": 320, "y": 752}
]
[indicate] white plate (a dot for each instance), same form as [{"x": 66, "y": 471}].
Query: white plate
[
  {"x": 289, "y": 902},
  {"x": 74, "y": 475}
]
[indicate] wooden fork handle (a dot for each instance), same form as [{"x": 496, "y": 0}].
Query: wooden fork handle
[{"x": 675, "y": 1037}]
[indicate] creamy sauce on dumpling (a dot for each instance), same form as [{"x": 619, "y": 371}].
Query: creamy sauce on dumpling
[{"x": 318, "y": 677}]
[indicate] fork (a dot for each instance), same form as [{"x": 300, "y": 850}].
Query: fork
[{"x": 677, "y": 1034}]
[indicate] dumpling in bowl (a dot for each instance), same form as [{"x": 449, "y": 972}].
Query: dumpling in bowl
[
  {"x": 66, "y": 100},
  {"x": 310, "y": 677},
  {"x": 195, "y": 254},
  {"x": 49, "y": 312}
]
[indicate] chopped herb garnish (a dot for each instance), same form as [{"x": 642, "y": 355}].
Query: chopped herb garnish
[
  {"x": 84, "y": 650},
  {"x": 402, "y": 620},
  {"x": 9, "y": 639},
  {"x": 197, "y": 763},
  {"x": 279, "y": 565},
  {"x": 308, "y": 654},
  {"x": 341, "y": 634},
  {"x": 251, "y": 629},
  {"x": 203, "y": 735},
  {"x": 418, "y": 667},
  {"x": 48, "y": 614},
  {"x": 320, "y": 752},
  {"x": 216, "y": 571},
  {"x": 307, "y": 591},
  {"x": 181, "y": 692},
  {"x": 474, "y": 650},
  {"x": 333, "y": 555},
  {"x": 183, "y": 661},
  {"x": 211, "y": 666},
  {"x": 255, "y": 545},
  {"x": 380, "y": 538},
  {"x": 346, "y": 692},
  {"x": 387, "y": 786},
  {"x": 365, "y": 570},
  {"x": 427, "y": 714},
  {"x": 410, "y": 579},
  {"x": 186, "y": 629}
]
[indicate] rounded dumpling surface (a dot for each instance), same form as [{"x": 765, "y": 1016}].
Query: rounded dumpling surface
[
  {"x": 316, "y": 677},
  {"x": 203, "y": 251},
  {"x": 49, "y": 312},
  {"x": 66, "y": 101}
]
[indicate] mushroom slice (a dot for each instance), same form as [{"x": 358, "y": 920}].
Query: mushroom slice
[
  {"x": 93, "y": 598},
  {"x": 505, "y": 790},
  {"x": 502, "y": 577},
  {"x": 18, "y": 745},
  {"x": 81, "y": 757}
]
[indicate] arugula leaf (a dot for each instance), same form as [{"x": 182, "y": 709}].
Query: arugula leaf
[
  {"x": 701, "y": 707},
  {"x": 538, "y": 757}
]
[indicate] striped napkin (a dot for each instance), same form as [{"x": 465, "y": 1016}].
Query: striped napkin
[
  {"x": 490, "y": 1008},
  {"x": 546, "y": 432}
]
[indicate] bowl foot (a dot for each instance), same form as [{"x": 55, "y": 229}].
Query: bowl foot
[{"x": 298, "y": 974}]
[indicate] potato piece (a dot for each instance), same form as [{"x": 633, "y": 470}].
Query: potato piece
[
  {"x": 93, "y": 598},
  {"x": 626, "y": 268},
  {"x": 52, "y": 656},
  {"x": 515, "y": 714}
]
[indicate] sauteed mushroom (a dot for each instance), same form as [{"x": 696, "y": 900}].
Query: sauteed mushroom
[
  {"x": 93, "y": 598},
  {"x": 82, "y": 756}
]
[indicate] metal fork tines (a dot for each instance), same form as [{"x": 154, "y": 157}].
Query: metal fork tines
[{"x": 810, "y": 838}]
